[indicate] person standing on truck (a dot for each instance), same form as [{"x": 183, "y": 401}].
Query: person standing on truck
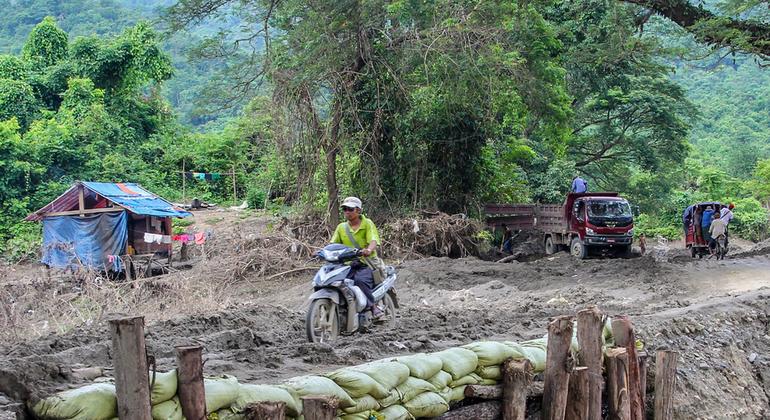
[
  {"x": 579, "y": 185},
  {"x": 708, "y": 216}
]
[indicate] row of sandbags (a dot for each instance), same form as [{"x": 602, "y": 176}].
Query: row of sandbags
[{"x": 405, "y": 387}]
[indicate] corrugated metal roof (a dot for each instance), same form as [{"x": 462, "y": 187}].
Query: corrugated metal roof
[{"x": 130, "y": 196}]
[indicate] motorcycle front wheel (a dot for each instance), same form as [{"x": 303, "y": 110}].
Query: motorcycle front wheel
[
  {"x": 389, "y": 307},
  {"x": 322, "y": 321}
]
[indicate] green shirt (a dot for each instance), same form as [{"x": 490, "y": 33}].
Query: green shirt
[{"x": 366, "y": 233}]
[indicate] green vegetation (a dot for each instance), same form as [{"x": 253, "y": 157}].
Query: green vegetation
[{"x": 442, "y": 105}]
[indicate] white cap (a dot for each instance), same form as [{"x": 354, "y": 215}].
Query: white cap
[{"x": 352, "y": 202}]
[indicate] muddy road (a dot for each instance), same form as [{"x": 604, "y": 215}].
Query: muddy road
[{"x": 715, "y": 313}]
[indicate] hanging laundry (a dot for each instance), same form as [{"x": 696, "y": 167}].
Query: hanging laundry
[
  {"x": 208, "y": 177},
  {"x": 149, "y": 237},
  {"x": 200, "y": 238},
  {"x": 215, "y": 176},
  {"x": 188, "y": 175},
  {"x": 199, "y": 176},
  {"x": 166, "y": 239}
]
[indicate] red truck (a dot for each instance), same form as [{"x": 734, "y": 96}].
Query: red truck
[{"x": 585, "y": 222}]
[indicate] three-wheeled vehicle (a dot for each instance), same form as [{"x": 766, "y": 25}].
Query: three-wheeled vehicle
[{"x": 693, "y": 230}]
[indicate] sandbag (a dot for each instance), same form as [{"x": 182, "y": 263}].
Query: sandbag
[
  {"x": 364, "y": 404},
  {"x": 427, "y": 404},
  {"x": 422, "y": 366},
  {"x": 356, "y": 416},
  {"x": 393, "y": 398},
  {"x": 358, "y": 384},
  {"x": 413, "y": 387},
  {"x": 446, "y": 394},
  {"x": 440, "y": 380},
  {"x": 91, "y": 402},
  {"x": 489, "y": 372},
  {"x": 387, "y": 374},
  {"x": 396, "y": 412},
  {"x": 488, "y": 382},
  {"x": 458, "y": 394},
  {"x": 470, "y": 379},
  {"x": 227, "y": 414},
  {"x": 221, "y": 392},
  {"x": 248, "y": 394},
  {"x": 164, "y": 387},
  {"x": 168, "y": 410},
  {"x": 535, "y": 351},
  {"x": 458, "y": 361},
  {"x": 492, "y": 353},
  {"x": 317, "y": 385}
]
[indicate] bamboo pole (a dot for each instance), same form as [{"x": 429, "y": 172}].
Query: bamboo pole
[
  {"x": 132, "y": 382},
  {"x": 589, "y": 324},
  {"x": 665, "y": 384},
  {"x": 192, "y": 395},
  {"x": 517, "y": 377},
  {"x": 557, "y": 368},
  {"x": 184, "y": 183}
]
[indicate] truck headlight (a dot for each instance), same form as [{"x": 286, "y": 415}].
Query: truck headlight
[
  {"x": 630, "y": 232},
  {"x": 590, "y": 231}
]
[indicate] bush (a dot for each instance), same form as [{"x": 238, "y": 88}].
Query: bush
[
  {"x": 24, "y": 243},
  {"x": 653, "y": 227}
]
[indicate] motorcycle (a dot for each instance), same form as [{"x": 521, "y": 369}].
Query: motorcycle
[{"x": 338, "y": 306}]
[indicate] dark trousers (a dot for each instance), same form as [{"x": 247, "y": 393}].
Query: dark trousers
[{"x": 364, "y": 279}]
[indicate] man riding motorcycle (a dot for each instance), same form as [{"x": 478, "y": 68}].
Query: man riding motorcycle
[{"x": 360, "y": 232}]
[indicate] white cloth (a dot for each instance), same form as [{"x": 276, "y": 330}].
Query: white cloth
[
  {"x": 149, "y": 237},
  {"x": 166, "y": 239},
  {"x": 726, "y": 215}
]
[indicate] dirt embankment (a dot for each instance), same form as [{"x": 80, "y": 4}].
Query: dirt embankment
[{"x": 714, "y": 313}]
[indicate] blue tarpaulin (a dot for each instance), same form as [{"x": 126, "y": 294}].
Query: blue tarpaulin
[
  {"x": 70, "y": 241},
  {"x": 135, "y": 198}
]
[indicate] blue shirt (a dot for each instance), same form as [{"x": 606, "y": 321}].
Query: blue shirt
[
  {"x": 707, "y": 216},
  {"x": 579, "y": 185}
]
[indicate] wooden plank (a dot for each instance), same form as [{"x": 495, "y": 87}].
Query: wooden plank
[
  {"x": 618, "y": 403},
  {"x": 84, "y": 212},
  {"x": 132, "y": 382},
  {"x": 192, "y": 395},
  {"x": 517, "y": 377},
  {"x": 643, "y": 378},
  {"x": 265, "y": 411},
  {"x": 623, "y": 332},
  {"x": 589, "y": 325},
  {"x": 557, "y": 368},
  {"x": 578, "y": 401},
  {"x": 319, "y": 408},
  {"x": 665, "y": 384}
]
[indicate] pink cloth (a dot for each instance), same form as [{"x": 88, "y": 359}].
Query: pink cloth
[{"x": 200, "y": 238}]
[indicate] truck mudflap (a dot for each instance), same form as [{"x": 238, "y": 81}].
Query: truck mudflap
[{"x": 608, "y": 240}]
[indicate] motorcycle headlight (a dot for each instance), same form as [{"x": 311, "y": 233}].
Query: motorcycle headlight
[
  {"x": 590, "y": 231},
  {"x": 630, "y": 232}
]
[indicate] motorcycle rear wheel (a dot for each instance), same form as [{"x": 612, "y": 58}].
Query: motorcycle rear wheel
[{"x": 322, "y": 321}]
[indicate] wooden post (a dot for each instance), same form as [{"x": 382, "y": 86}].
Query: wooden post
[
  {"x": 665, "y": 384},
  {"x": 192, "y": 395},
  {"x": 517, "y": 376},
  {"x": 235, "y": 191},
  {"x": 557, "y": 368},
  {"x": 623, "y": 332},
  {"x": 617, "y": 384},
  {"x": 578, "y": 401},
  {"x": 319, "y": 408},
  {"x": 81, "y": 200},
  {"x": 643, "y": 379},
  {"x": 265, "y": 411},
  {"x": 184, "y": 183},
  {"x": 132, "y": 382},
  {"x": 589, "y": 325}
]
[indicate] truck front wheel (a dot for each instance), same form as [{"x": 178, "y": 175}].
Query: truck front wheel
[
  {"x": 578, "y": 249},
  {"x": 550, "y": 247}
]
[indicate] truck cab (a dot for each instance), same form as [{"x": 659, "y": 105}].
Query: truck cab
[{"x": 598, "y": 220}]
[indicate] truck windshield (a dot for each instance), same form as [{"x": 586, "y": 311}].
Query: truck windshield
[{"x": 609, "y": 209}]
